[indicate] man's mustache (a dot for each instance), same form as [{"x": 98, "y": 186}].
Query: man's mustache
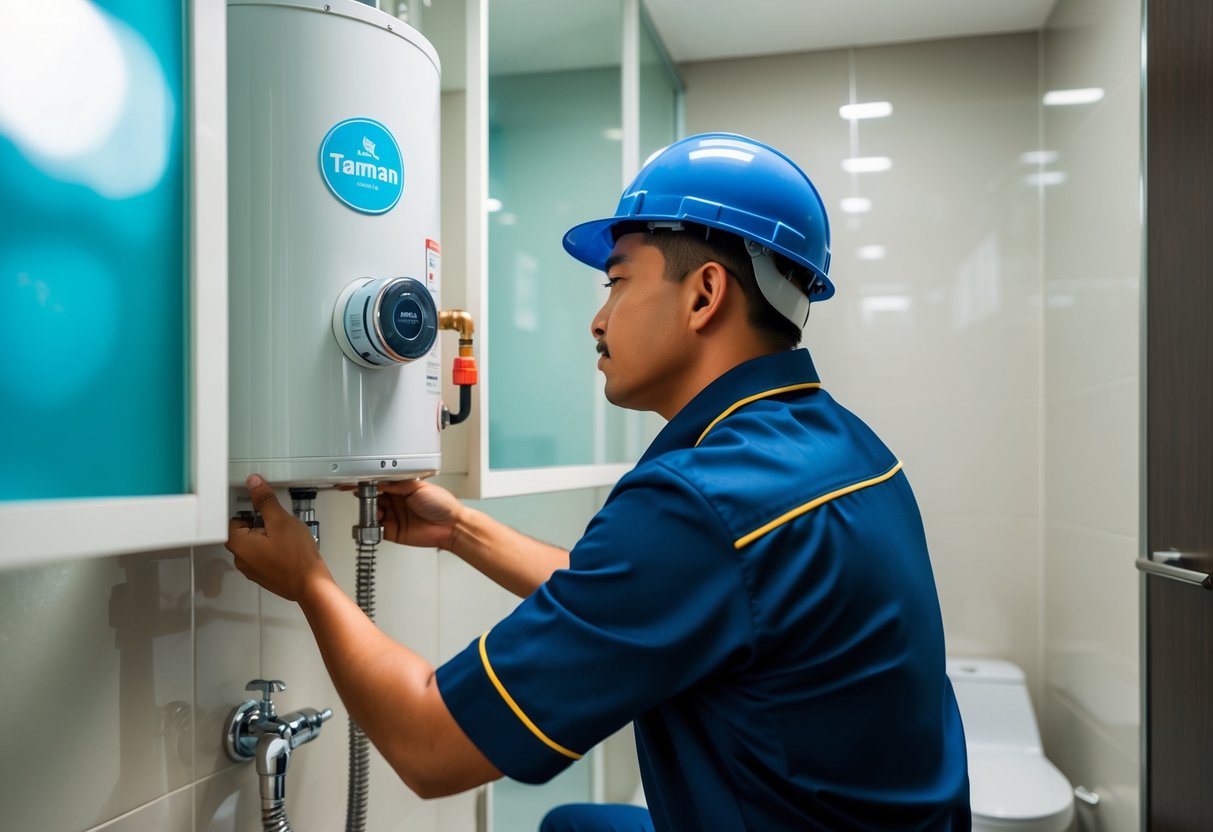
[{"x": 602, "y": 348}]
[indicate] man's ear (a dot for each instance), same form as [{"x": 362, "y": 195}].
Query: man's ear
[{"x": 707, "y": 287}]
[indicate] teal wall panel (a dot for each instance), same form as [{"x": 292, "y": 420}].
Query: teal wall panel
[{"x": 93, "y": 252}]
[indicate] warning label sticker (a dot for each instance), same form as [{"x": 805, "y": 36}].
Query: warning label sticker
[
  {"x": 433, "y": 381},
  {"x": 433, "y": 258}
]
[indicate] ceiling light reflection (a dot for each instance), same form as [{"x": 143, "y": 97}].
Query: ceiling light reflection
[
  {"x": 1040, "y": 157},
  {"x": 856, "y": 205},
  {"x": 1046, "y": 178},
  {"x": 722, "y": 153},
  {"x": 869, "y": 109},
  {"x": 867, "y": 164},
  {"x": 873, "y": 305},
  {"x": 870, "y": 252},
  {"x": 1068, "y": 98}
]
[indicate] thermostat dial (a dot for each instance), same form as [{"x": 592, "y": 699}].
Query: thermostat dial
[{"x": 381, "y": 322}]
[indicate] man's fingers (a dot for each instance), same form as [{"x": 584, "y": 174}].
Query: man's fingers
[
  {"x": 390, "y": 517},
  {"x": 402, "y": 487},
  {"x": 237, "y": 526},
  {"x": 264, "y": 500}
]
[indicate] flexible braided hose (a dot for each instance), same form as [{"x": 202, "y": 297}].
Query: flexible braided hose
[
  {"x": 273, "y": 817},
  {"x": 367, "y": 534}
]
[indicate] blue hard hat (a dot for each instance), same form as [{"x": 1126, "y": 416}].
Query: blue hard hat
[{"x": 724, "y": 181}]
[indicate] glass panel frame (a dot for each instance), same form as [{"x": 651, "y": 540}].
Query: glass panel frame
[
  {"x": 466, "y": 460},
  {"x": 656, "y": 69},
  {"x": 554, "y": 160}
]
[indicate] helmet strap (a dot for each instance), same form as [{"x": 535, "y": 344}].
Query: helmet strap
[{"x": 780, "y": 292}]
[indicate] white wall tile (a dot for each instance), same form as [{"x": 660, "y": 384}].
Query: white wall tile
[
  {"x": 1088, "y": 758},
  {"x": 1091, "y": 448},
  {"x": 987, "y": 571},
  {"x": 970, "y": 459},
  {"x": 229, "y": 801},
  {"x": 1092, "y": 43},
  {"x": 1093, "y": 247},
  {"x": 1092, "y": 624},
  {"x": 227, "y": 650},
  {"x": 1092, "y": 256},
  {"x": 97, "y": 687}
]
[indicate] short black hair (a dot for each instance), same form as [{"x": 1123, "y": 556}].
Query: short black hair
[{"x": 688, "y": 248}]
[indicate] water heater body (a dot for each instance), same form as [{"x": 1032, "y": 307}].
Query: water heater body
[{"x": 334, "y": 281}]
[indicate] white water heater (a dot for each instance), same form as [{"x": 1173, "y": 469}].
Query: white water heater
[{"x": 333, "y": 133}]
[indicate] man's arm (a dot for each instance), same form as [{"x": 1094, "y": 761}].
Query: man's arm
[
  {"x": 417, "y": 513},
  {"x": 389, "y": 690}
]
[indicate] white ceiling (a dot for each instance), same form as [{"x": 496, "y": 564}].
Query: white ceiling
[
  {"x": 586, "y": 33},
  {"x": 699, "y": 30}
]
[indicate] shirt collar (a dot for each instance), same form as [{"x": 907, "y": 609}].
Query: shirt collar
[{"x": 750, "y": 378}]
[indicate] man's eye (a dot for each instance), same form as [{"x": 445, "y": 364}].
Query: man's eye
[{"x": 610, "y": 282}]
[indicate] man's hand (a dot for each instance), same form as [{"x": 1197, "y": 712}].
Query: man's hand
[
  {"x": 417, "y": 513},
  {"x": 283, "y": 556}
]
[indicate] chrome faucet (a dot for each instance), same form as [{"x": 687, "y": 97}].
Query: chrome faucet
[{"x": 256, "y": 731}]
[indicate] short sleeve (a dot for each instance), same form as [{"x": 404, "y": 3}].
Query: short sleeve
[{"x": 653, "y": 602}]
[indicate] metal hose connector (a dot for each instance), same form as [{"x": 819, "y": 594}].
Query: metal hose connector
[
  {"x": 367, "y": 534},
  {"x": 273, "y": 816}
]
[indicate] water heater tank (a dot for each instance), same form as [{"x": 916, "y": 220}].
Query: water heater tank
[{"x": 333, "y": 112}]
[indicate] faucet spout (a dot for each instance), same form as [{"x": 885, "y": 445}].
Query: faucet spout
[
  {"x": 304, "y": 724},
  {"x": 272, "y": 755}
]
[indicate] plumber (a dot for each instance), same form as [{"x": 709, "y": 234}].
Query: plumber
[{"x": 755, "y": 595}]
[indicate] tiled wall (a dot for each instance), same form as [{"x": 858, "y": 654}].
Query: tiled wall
[
  {"x": 117, "y": 676},
  {"x": 1092, "y": 389}
]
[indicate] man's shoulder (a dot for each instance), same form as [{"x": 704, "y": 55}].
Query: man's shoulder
[{"x": 774, "y": 455}]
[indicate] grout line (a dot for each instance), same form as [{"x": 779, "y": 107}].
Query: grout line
[
  {"x": 127, "y": 814},
  {"x": 1042, "y": 461}
]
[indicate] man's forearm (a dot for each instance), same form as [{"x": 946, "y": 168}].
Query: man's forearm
[
  {"x": 391, "y": 693},
  {"x": 510, "y": 558}
]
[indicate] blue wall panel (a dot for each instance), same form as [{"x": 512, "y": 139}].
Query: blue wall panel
[{"x": 93, "y": 252}]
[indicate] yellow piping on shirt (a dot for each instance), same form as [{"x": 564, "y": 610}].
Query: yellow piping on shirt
[
  {"x": 509, "y": 700},
  {"x": 806, "y": 386},
  {"x": 746, "y": 540}
]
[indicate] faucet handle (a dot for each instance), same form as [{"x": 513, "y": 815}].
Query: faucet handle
[{"x": 268, "y": 688}]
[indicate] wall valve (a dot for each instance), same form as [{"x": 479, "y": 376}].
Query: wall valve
[
  {"x": 256, "y": 731},
  {"x": 255, "y": 718}
]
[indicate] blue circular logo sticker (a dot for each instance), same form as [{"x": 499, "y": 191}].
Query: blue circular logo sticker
[{"x": 360, "y": 162}]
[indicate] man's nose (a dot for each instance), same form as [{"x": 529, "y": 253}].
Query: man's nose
[{"x": 598, "y": 324}]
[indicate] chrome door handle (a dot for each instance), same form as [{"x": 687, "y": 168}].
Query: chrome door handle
[{"x": 1156, "y": 565}]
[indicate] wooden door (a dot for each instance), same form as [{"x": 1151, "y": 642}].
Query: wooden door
[{"x": 1179, "y": 414}]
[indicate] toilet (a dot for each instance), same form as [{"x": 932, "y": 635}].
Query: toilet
[{"x": 1012, "y": 786}]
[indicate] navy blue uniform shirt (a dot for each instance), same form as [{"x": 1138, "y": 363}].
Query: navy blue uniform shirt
[{"x": 756, "y": 595}]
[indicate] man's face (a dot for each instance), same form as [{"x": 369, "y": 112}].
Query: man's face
[{"x": 642, "y": 328}]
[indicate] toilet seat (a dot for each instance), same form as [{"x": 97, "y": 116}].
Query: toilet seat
[{"x": 1020, "y": 790}]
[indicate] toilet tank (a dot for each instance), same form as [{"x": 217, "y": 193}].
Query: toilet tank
[{"x": 994, "y": 704}]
